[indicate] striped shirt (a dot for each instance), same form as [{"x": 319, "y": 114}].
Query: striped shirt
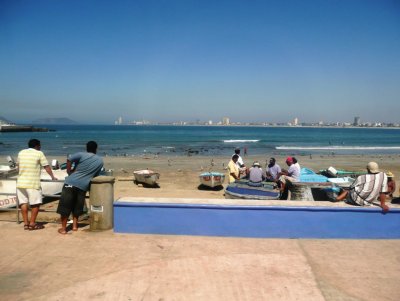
[
  {"x": 367, "y": 188},
  {"x": 30, "y": 162}
]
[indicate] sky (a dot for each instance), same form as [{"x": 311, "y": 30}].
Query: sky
[{"x": 253, "y": 61}]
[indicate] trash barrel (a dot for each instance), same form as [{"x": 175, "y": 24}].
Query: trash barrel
[{"x": 101, "y": 200}]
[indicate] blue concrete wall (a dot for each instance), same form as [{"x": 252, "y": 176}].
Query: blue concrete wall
[{"x": 250, "y": 221}]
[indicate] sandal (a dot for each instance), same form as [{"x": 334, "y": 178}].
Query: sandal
[
  {"x": 26, "y": 227},
  {"x": 36, "y": 227}
]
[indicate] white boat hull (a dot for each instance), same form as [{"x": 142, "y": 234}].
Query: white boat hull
[
  {"x": 212, "y": 180},
  {"x": 9, "y": 185},
  {"x": 7, "y": 171},
  {"x": 147, "y": 177}
]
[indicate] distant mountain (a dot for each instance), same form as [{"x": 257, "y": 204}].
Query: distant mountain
[
  {"x": 3, "y": 120},
  {"x": 62, "y": 120}
]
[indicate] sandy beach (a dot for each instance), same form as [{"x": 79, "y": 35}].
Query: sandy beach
[{"x": 179, "y": 175}]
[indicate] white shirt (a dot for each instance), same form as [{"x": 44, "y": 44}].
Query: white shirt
[
  {"x": 294, "y": 171},
  {"x": 239, "y": 162}
]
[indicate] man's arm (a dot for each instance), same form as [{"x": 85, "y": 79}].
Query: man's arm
[
  {"x": 232, "y": 172},
  {"x": 47, "y": 168},
  {"x": 69, "y": 167},
  {"x": 382, "y": 199}
]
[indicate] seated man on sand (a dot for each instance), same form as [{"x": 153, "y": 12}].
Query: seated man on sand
[
  {"x": 272, "y": 173},
  {"x": 391, "y": 185},
  {"x": 255, "y": 175},
  {"x": 367, "y": 188},
  {"x": 292, "y": 174}
]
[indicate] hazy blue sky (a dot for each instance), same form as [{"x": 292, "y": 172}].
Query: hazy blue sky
[{"x": 93, "y": 61}]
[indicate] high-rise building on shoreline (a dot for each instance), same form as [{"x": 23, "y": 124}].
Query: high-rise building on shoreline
[{"x": 225, "y": 121}]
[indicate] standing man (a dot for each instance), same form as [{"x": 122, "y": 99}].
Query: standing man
[
  {"x": 87, "y": 165},
  {"x": 233, "y": 170},
  {"x": 240, "y": 164},
  {"x": 29, "y": 163}
]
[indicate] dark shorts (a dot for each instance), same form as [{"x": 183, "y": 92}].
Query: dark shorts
[{"x": 72, "y": 201}]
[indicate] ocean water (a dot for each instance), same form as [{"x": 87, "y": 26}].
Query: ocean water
[{"x": 206, "y": 140}]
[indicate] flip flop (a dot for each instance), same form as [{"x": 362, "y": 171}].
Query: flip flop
[
  {"x": 36, "y": 227},
  {"x": 26, "y": 227},
  {"x": 61, "y": 231}
]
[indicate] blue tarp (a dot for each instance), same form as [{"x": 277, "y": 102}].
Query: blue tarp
[{"x": 308, "y": 175}]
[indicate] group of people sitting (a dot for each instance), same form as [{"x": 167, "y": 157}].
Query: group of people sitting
[
  {"x": 373, "y": 186},
  {"x": 256, "y": 175}
]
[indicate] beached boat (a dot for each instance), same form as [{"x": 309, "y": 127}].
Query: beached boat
[
  {"x": 246, "y": 183},
  {"x": 242, "y": 191},
  {"x": 9, "y": 169},
  {"x": 212, "y": 179},
  {"x": 342, "y": 182},
  {"x": 146, "y": 176},
  {"x": 312, "y": 186},
  {"x": 8, "y": 187},
  {"x": 332, "y": 172}
]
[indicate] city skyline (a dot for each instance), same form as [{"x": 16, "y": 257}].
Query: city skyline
[
  {"x": 175, "y": 60},
  {"x": 226, "y": 121}
]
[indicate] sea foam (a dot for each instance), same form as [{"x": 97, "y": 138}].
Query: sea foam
[
  {"x": 337, "y": 147},
  {"x": 240, "y": 141}
]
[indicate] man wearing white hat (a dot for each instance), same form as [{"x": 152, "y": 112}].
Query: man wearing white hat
[
  {"x": 367, "y": 188},
  {"x": 255, "y": 175}
]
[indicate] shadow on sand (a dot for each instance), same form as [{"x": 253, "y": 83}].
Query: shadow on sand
[{"x": 204, "y": 187}]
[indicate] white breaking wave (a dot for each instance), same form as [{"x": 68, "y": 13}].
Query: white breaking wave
[
  {"x": 240, "y": 141},
  {"x": 337, "y": 147}
]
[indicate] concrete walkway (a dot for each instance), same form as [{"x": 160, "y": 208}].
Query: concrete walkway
[{"x": 44, "y": 265}]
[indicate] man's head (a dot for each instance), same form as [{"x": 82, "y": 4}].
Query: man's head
[
  {"x": 235, "y": 158},
  {"x": 256, "y": 164},
  {"x": 272, "y": 161},
  {"x": 372, "y": 167},
  {"x": 91, "y": 147},
  {"x": 289, "y": 161},
  {"x": 237, "y": 151},
  {"x": 34, "y": 143}
]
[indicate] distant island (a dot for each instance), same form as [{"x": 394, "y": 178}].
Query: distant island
[
  {"x": 61, "y": 120},
  {"x": 4, "y": 120}
]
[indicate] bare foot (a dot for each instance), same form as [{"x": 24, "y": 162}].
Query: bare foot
[
  {"x": 62, "y": 231},
  {"x": 74, "y": 229}
]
